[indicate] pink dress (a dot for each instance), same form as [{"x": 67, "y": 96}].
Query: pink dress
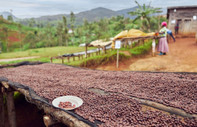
[{"x": 163, "y": 45}]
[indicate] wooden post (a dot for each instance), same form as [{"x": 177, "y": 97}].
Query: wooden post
[
  {"x": 2, "y": 118},
  {"x": 104, "y": 50},
  {"x": 73, "y": 58},
  {"x": 78, "y": 57},
  {"x": 153, "y": 47},
  {"x": 11, "y": 107},
  {"x": 68, "y": 59},
  {"x": 62, "y": 60},
  {"x": 117, "y": 62},
  {"x": 51, "y": 59},
  {"x": 86, "y": 50},
  {"x": 196, "y": 37},
  {"x": 131, "y": 46}
]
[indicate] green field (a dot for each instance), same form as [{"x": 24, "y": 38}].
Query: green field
[{"x": 43, "y": 53}]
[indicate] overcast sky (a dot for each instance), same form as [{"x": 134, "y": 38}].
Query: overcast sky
[{"x": 36, "y": 8}]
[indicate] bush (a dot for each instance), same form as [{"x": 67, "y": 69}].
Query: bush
[
  {"x": 26, "y": 46},
  {"x": 142, "y": 49},
  {"x": 40, "y": 44}
]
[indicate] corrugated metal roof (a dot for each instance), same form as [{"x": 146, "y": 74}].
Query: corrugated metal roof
[{"x": 182, "y": 7}]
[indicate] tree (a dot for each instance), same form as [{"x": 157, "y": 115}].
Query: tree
[
  {"x": 5, "y": 30},
  {"x": 65, "y": 31},
  {"x": 72, "y": 22},
  {"x": 30, "y": 39},
  {"x": 31, "y": 22},
  {"x": 79, "y": 34},
  {"x": 85, "y": 23},
  {"x": 144, "y": 12},
  {"x": 20, "y": 34},
  {"x": 10, "y": 18},
  {"x": 59, "y": 33}
]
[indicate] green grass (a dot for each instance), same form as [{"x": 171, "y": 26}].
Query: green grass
[
  {"x": 43, "y": 59},
  {"x": 42, "y": 52},
  {"x": 140, "y": 50},
  {"x": 96, "y": 60}
]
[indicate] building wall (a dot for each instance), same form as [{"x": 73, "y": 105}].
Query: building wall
[{"x": 187, "y": 25}]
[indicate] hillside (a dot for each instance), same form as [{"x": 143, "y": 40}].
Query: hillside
[
  {"x": 96, "y": 14},
  {"x": 11, "y": 34},
  {"x": 5, "y": 15},
  {"x": 124, "y": 12}
]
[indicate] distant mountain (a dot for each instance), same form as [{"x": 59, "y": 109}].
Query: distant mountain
[
  {"x": 5, "y": 15},
  {"x": 96, "y": 14},
  {"x": 51, "y": 17},
  {"x": 91, "y": 15},
  {"x": 124, "y": 12}
]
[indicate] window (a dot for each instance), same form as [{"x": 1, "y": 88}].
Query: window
[{"x": 187, "y": 20}]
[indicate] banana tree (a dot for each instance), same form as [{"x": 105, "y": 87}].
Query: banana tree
[{"x": 144, "y": 13}]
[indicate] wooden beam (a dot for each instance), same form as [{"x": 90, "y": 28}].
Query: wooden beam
[
  {"x": 48, "y": 120},
  {"x": 2, "y": 107},
  {"x": 5, "y": 84},
  {"x": 11, "y": 107}
]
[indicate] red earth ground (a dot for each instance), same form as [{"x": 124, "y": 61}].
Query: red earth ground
[{"x": 181, "y": 58}]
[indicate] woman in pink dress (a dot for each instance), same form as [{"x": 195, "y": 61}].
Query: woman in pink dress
[{"x": 163, "y": 45}]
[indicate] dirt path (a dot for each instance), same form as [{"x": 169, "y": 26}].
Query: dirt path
[
  {"x": 181, "y": 58},
  {"x": 14, "y": 59}
]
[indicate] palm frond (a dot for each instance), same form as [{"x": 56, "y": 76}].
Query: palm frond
[
  {"x": 138, "y": 4},
  {"x": 136, "y": 18}
]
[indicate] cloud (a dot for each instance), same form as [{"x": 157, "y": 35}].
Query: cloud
[
  {"x": 29, "y": 8},
  {"x": 18, "y": 4}
]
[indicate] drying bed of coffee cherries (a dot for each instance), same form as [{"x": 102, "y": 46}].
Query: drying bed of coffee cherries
[{"x": 115, "y": 108}]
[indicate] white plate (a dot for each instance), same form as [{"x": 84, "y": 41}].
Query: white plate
[{"x": 73, "y": 99}]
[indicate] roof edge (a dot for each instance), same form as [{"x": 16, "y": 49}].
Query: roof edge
[{"x": 182, "y": 7}]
